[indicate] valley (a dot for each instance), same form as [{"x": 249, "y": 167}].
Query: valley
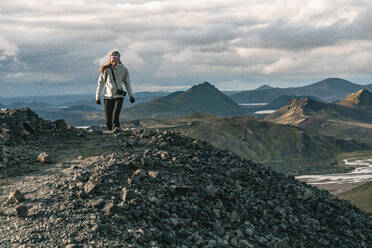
[{"x": 343, "y": 182}]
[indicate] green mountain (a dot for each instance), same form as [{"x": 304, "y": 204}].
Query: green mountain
[
  {"x": 203, "y": 98},
  {"x": 289, "y": 147},
  {"x": 260, "y": 95},
  {"x": 350, "y": 118},
  {"x": 331, "y": 89},
  {"x": 360, "y": 196}
]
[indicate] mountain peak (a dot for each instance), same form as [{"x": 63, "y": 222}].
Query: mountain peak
[
  {"x": 335, "y": 79},
  {"x": 264, "y": 87},
  {"x": 360, "y": 98},
  {"x": 297, "y": 112},
  {"x": 306, "y": 104},
  {"x": 205, "y": 97},
  {"x": 333, "y": 82},
  {"x": 202, "y": 86}
]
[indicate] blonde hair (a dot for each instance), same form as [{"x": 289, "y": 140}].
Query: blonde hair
[{"x": 108, "y": 63}]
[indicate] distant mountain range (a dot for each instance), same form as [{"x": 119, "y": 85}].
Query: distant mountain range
[
  {"x": 204, "y": 98},
  {"x": 349, "y": 118},
  {"x": 82, "y": 109},
  {"x": 76, "y": 110},
  {"x": 331, "y": 89}
]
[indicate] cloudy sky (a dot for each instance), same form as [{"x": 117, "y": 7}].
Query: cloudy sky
[{"x": 56, "y": 46}]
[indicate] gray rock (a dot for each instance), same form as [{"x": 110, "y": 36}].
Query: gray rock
[
  {"x": 100, "y": 203},
  {"x": 44, "y": 158},
  {"x": 127, "y": 195},
  {"x": 308, "y": 195},
  {"x": 153, "y": 174},
  {"x": 21, "y": 211},
  {"x": 15, "y": 197},
  {"x": 179, "y": 189},
  {"x": 91, "y": 187},
  {"x": 211, "y": 191},
  {"x": 97, "y": 228},
  {"x": 245, "y": 243},
  {"x": 212, "y": 243},
  {"x": 164, "y": 155},
  {"x": 109, "y": 208}
]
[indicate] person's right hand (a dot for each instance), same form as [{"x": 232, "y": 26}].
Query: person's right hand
[{"x": 98, "y": 102}]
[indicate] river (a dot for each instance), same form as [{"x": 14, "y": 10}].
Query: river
[{"x": 341, "y": 182}]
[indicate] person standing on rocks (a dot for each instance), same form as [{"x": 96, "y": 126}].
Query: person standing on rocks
[{"x": 113, "y": 77}]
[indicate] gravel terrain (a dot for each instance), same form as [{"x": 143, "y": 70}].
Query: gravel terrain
[{"x": 153, "y": 188}]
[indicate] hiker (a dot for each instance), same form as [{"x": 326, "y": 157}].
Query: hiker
[{"x": 114, "y": 75}]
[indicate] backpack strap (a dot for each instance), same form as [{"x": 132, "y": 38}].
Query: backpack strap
[{"x": 113, "y": 75}]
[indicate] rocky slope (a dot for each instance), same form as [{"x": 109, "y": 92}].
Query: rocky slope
[
  {"x": 346, "y": 119},
  {"x": 155, "y": 188},
  {"x": 298, "y": 112},
  {"x": 359, "y": 99},
  {"x": 23, "y": 136},
  {"x": 354, "y": 107}
]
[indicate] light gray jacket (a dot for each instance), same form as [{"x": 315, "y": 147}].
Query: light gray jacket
[{"x": 106, "y": 81}]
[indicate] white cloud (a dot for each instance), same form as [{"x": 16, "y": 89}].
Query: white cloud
[
  {"x": 7, "y": 49},
  {"x": 32, "y": 77},
  {"x": 178, "y": 41},
  {"x": 346, "y": 57}
]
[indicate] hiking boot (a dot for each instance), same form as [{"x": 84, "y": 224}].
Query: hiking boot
[{"x": 116, "y": 130}]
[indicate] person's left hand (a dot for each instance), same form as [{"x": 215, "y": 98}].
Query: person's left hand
[{"x": 132, "y": 100}]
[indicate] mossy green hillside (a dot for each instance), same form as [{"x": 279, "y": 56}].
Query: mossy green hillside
[{"x": 361, "y": 196}]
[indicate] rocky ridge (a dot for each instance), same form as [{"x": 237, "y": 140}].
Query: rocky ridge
[
  {"x": 24, "y": 135},
  {"x": 361, "y": 98},
  {"x": 161, "y": 189}
]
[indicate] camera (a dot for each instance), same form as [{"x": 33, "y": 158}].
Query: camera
[{"x": 121, "y": 92}]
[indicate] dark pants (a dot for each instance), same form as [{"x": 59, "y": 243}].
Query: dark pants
[{"x": 112, "y": 112}]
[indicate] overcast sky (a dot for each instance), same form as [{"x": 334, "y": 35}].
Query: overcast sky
[{"x": 55, "y": 47}]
